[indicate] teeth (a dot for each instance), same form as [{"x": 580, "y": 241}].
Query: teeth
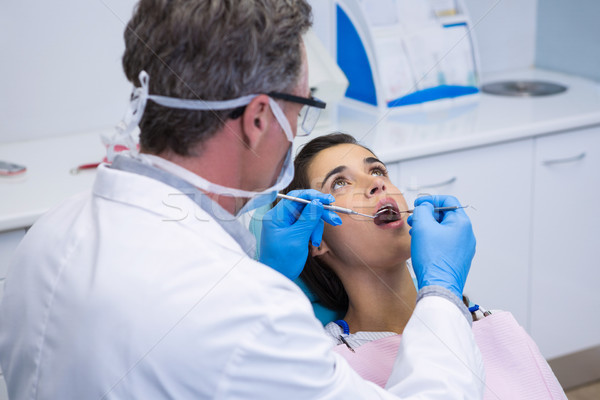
[
  {"x": 387, "y": 214},
  {"x": 388, "y": 208}
]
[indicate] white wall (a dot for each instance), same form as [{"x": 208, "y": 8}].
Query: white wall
[
  {"x": 61, "y": 60},
  {"x": 61, "y": 66},
  {"x": 568, "y": 37},
  {"x": 323, "y": 20},
  {"x": 506, "y": 33}
]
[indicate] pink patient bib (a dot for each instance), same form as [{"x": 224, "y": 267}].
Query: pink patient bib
[{"x": 514, "y": 366}]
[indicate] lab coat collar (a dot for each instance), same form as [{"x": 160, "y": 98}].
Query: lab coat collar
[{"x": 228, "y": 222}]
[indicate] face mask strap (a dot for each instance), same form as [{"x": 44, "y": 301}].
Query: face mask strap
[
  {"x": 139, "y": 98},
  {"x": 122, "y": 139},
  {"x": 281, "y": 118},
  {"x": 133, "y": 116}
]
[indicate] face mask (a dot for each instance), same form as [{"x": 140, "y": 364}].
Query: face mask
[{"x": 132, "y": 118}]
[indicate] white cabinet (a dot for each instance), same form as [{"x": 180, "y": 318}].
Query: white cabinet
[
  {"x": 9, "y": 241},
  {"x": 496, "y": 181},
  {"x": 565, "y": 296},
  {"x": 537, "y": 229},
  {"x": 3, "y": 392}
]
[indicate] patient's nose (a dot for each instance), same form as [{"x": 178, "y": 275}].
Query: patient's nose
[{"x": 377, "y": 186}]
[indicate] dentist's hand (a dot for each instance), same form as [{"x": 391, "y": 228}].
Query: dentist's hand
[
  {"x": 441, "y": 251},
  {"x": 289, "y": 226}
]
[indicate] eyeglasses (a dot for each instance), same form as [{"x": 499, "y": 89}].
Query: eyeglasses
[{"x": 307, "y": 117}]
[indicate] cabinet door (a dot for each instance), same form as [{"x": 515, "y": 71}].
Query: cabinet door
[
  {"x": 8, "y": 243},
  {"x": 496, "y": 182},
  {"x": 3, "y": 392},
  {"x": 9, "y": 240},
  {"x": 566, "y": 236}
]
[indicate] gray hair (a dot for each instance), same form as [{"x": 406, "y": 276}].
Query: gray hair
[{"x": 210, "y": 50}]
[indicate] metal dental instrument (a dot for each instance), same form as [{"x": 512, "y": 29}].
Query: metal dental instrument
[
  {"x": 348, "y": 211},
  {"x": 435, "y": 209},
  {"x": 336, "y": 209}
]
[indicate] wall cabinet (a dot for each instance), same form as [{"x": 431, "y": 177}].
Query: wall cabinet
[
  {"x": 565, "y": 295},
  {"x": 536, "y": 226},
  {"x": 9, "y": 241},
  {"x": 496, "y": 182}
]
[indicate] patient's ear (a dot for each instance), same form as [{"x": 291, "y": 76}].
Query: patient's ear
[{"x": 319, "y": 251}]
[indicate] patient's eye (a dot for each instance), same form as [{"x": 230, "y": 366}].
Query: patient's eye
[
  {"x": 338, "y": 183},
  {"x": 379, "y": 171}
]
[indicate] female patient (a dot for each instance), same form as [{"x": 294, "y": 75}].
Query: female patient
[{"x": 360, "y": 270}]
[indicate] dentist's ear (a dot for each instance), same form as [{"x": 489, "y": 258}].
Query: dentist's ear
[
  {"x": 319, "y": 251},
  {"x": 255, "y": 121}
]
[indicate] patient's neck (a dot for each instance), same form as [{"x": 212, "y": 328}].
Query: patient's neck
[{"x": 379, "y": 301}]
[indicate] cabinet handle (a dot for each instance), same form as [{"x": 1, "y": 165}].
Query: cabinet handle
[
  {"x": 565, "y": 160},
  {"x": 435, "y": 185}
]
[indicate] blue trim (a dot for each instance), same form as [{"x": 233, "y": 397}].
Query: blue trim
[
  {"x": 344, "y": 325},
  {"x": 457, "y": 24},
  {"x": 435, "y": 93},
  {"x": 353, "y": 60}
]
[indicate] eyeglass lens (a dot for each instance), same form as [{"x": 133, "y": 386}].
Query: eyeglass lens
[{"x": 307, "y": 119}]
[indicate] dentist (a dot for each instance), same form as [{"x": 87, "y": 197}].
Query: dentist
[{"x": 146, "y": 288}]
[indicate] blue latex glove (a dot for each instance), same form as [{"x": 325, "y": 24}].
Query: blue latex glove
[
  {"x": 442, "y": 245},
  {"x": 289, "y": 226}
]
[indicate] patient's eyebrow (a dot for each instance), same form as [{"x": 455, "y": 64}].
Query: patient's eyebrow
[
  {"x": 373, "y": 160},
  {"x": 332, "y": 172}
]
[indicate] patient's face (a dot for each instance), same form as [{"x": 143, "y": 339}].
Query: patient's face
[{"x": 358, "y": 180}]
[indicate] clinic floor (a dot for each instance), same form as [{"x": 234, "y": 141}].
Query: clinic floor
[{"x": 586, "y": 392}]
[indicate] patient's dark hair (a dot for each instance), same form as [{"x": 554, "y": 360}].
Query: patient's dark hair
[{"x": 319, "y": 278}]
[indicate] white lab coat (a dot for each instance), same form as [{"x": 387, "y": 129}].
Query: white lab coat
[{"x": 108, "y": 297}]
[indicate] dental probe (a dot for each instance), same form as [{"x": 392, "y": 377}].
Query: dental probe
[
  {"x": 348, "y": 211},
  {"x": 336, "y": 209},
  {"x": 435, "y": 209}
]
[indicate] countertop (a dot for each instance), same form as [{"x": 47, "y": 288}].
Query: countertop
[
  {"x": 478, "y": 120},
  {"x": 393, "y": 136},
  {"x": 47, "y": 180}
]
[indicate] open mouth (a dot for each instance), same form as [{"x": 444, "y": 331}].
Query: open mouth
[{"x": 387, "y": 214}]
